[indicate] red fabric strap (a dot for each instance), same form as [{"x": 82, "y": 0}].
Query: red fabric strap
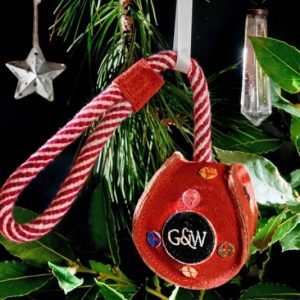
[{"x": 139, "y": 84}]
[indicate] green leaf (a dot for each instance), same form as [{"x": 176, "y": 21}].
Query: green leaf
[
  {"x": 109, "y": 293},
  {"x": 100, "y": 267},
  {"x": 297, "y": 144},
  {"x": 295, "y": 178},
  {"x": 52, "y": 247},
  {"x": 290, "y": 222},
  {"x": 295, "y": 128},
  {"x": 181, "y": 294},
  {"x": 263, "y": 291},
  {"x": 269, "y": 186},
  {"x": 66, "y": 280},
  {"x": 110, "y": 228},
  {"x": 263, "y": 238},
  {"x": 211, "y": 295},
  {"x": 90, "y": 293},
  {"x": 18, "y": 279},
  {"x": 97, "y": 221},
  {"x": 280, "y": 61},
  {"x": 282, "y": 103},
  {"x": 292, "y": 240},
  {"x": 294, "y": 207},
  {"x": 232, "y": 132}
]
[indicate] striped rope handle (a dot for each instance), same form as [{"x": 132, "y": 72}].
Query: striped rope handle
[{"x": 114, "y": 108}]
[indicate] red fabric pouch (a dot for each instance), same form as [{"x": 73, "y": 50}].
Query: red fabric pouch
[{"x": 194, "y": 223}]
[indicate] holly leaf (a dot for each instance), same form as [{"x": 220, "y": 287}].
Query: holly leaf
[
  {"x": 291, "y": 241},
  {"x": 263, "y": 237},
  {"x": 51, "y": 247},
  {"x": 109, "y": 293},
  {"x": 65, "y": 277},
  {"x": 280, "y": 61},
  {"x": 264, "y": 291},
  {"x": 295, "y": 178},
  {"x": 18, "y": 279},
  {"x": 269, "y": 186}
]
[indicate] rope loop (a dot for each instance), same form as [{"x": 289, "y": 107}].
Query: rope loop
[{"x": 112, "y": 106}]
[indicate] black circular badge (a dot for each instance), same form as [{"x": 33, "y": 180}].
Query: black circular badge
[{"x": 188, "y": 237}]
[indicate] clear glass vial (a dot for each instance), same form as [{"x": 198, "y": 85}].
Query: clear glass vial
[{"x": 256, "y": 103}]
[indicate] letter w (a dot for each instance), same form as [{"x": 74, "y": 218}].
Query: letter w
[{"x": 198, "y": 238}]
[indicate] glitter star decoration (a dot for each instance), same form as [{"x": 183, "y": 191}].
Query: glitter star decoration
[{"x": 35, "y": 74}]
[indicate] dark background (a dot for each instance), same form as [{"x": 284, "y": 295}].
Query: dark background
[{"x": 25, "y": 124}]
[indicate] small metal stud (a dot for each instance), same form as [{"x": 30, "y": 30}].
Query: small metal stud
[
  {"x": 191, "y": 198},
  {"x": 153, "y": 239},
  {"x": 226, "y": 249},
  {"x": 189, "y": 271},
  {"x": 208, "y": 172}
]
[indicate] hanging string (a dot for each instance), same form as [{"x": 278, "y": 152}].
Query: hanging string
[{"x": 35, "y": 38}]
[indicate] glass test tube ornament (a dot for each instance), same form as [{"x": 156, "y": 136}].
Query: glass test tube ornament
[{"x": 256, "y": 103}]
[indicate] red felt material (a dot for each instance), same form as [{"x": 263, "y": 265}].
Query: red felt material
[
  {"x": 139, "y": 83},
  {"x": 227, "y": 201}
]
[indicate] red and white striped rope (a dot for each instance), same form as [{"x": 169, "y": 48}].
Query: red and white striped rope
[{"x": 114, "y": 108}]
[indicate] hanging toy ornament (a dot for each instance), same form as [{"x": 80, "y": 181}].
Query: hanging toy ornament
[
  {"x": 256, "y": 102},
  {"x": 35, "y": 74},
  {"x": 195, "y": 221}
]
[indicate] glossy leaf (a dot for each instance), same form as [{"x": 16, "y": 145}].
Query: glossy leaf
[
  {"x": 52, "y": 247},
  {"x": 269, "y": 186},
  {"x": 263, "y": 238},
  {"x": 280, "y": 61},
  {"x": 295, "y": 178},
  {"x": 66, "y": 280},
  {"x": 109, "y": 293},
  {"x": 287, "y": 225},
  {"x": 297, "y": 144},
  {"x": 18, "y": 279},
  {"x": 292, "y": 240},
  {"x": 287, "y": 106},
  {"x": 264, "y": 291},
  {"x": 295, "y": 128}
]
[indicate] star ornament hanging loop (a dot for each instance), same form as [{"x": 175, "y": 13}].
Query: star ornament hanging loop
[{"x": 35, "y": 74}]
